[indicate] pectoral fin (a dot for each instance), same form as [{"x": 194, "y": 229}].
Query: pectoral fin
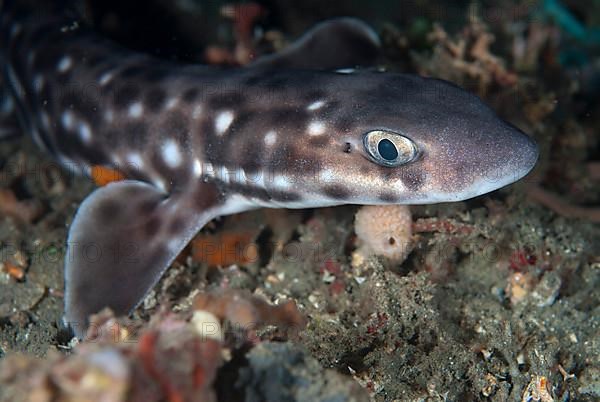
[{"x": 124, "y": 236}]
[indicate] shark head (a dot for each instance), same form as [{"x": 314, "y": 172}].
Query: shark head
[{"x": 373, "y": 138}]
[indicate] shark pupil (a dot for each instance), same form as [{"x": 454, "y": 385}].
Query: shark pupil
[{"x": 387, "y": 149}]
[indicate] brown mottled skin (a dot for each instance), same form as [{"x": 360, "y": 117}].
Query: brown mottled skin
[{"x": 196, "y": 142}]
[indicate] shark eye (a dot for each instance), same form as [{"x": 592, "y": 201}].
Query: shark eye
[{"x": 388, "y": 148}]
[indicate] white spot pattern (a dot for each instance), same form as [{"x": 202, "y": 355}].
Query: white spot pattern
[
  {"x": 316, "y": 128},
  {"x": 327, "y": 175},
  {"x": 316, "y": 105},
  {"x": 197, "y": 168},
  {"x": 223, "y": 121},
  {"x": 68, "y": 120},
  {"x": 64, "y": 64},
  {"x": 171, "y": 103},
  {"x": 270, "y": 138},
  {"x": 281, "y": 182},
  {"x": 175, "y": 244},
  {"x": 135, "y": 161},
  {"x": 345, "y": 71},
  {"x": 136, "y": 110},
  {"x": 105, "y": 78},
  {"x": 172, "y": 154},
  {"x": 85, "y": 132}
]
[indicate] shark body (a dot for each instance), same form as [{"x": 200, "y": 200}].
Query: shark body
[{"x": 197, "y": 142}]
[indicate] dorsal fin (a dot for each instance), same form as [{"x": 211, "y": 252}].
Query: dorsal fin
[{"x": 330, "y": 45}]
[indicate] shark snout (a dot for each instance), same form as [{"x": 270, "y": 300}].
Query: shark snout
[
  {"x": 514, "y": 156},
  {"x": 528, "y": 155},
  {"x": 522, "y": 154}
]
